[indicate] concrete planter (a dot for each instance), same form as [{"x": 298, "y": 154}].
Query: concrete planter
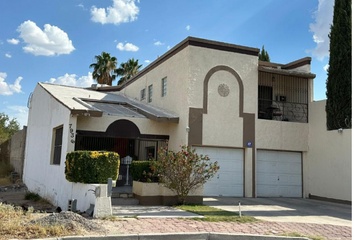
[{"x": 156, "y": 194}]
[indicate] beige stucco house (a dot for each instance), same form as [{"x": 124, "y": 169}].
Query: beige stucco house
[{"x": 257, "y": 119}]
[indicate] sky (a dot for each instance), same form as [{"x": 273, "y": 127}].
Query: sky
[{"x": 56, "y": 41}]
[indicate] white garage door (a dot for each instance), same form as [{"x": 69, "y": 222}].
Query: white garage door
[
  {"x": 229, "y": 179},
  {"x": 279, "y": 174}
]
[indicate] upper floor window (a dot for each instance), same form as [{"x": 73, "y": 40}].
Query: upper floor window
[
  {"x": 150, "y": 93},
  {"x": 164, "y": 86},
  {"x": 58, "y": 140},
  {"x": 142, "y": 94}
]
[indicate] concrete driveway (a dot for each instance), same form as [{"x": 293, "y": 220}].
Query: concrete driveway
[{"x": 286, "y": 209}]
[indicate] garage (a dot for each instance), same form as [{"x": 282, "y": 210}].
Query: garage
[
  {"x": 228, "y": 181},
  {"x": 279, "y": 174}
]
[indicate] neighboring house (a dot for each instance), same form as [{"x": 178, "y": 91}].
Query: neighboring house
[{"x": 255, "y": 118}]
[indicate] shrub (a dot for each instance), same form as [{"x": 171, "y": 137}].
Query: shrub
[
  {"x": 32, "y": 196},
  {"x": 141, "y": 171},
  {"x": 184, "y": 170},
  {"x": 91, "y": 166}
]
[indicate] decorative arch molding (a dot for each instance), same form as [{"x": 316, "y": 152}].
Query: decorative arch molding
[
  {"x": 123, "y": 129},
  {"x": 195, "y": 136},
  {"x": 206, "y": 87}
]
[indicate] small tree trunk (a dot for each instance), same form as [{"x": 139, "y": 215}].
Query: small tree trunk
[{"x": 181, "y": 199}]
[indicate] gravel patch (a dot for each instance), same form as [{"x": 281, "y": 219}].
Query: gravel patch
[{"x": 69, "y": 220}]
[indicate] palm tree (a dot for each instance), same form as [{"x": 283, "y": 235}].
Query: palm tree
[
  {"x": 128, "y": 70},
  {"x": 103, "y": 69}
]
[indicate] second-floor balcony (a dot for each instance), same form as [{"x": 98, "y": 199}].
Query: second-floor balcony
[{"x": 282, "y": 97}]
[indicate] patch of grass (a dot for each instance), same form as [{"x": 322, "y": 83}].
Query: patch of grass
[
  {"x": 5, "y": 181},
  {"x": 5, "y": 169},
  {"x": 295, "y": 234},
  {"x": 215, "y": 215},
  {"x": 110, "y": 218},
  {"x": 14, "y": 223}
]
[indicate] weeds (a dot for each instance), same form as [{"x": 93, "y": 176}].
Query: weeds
[
  {"x": 15, "y": 223},
  {"x": 32, "y": 196},
  {"x": 35, "y": 198},
  {"x": 295, "y": 234},
  {"x": 5, "y": 169},
  {"x": 5, "y": 181}
]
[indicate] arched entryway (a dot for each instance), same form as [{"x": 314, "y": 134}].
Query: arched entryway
[{"x": 124, "y": 137}]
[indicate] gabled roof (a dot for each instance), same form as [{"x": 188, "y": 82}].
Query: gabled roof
[{"x": 87, "y": 102}]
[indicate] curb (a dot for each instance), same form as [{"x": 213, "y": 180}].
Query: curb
[{"x": 176, "y": 236}]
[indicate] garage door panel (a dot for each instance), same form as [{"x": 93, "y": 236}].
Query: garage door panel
[
  {"x": 229, "y": 179},
  {"x": 267, "y": 179},
  {"x": 293, "y": 157},
  {"x": 263, "y": 155},
  {"x": 279, "y": 174},
  {"x": 267, "y": 191},
  {"x": 295, "y": 168},
  {"x": 267, "y": 167}
]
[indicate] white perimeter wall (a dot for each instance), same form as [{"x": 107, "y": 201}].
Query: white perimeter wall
[
  {"x": 40, "y": 175},
  {"x": 328, "y": 171}
]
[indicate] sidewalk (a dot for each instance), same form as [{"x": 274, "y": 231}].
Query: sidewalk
[{"x": 171, "y": 225}]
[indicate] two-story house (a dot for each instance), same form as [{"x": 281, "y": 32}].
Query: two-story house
[{"x": 253, "y": 117}]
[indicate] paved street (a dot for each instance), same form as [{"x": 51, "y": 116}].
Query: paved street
[
  {"x": 170, "y": 225},
  {"x": 287, "y": 209},
  {"x": 278, "y": 216}
]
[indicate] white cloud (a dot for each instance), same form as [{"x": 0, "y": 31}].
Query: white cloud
[
  {"x": 323, "y": 20},
  {"x": 73, "y": 80},
  {"x": 188, "y": 27},
  {"x": 51, "y": 41},
  {"x": 127, "y": 47},
  {"x": 158, "y": 43},
  {"x": 168, "y": 47},
  {"x": 18, "y": 112},
  {"x": 326, "y": 67},
  {"x": 147, "y": 61},
  {"x": 122, "y": 11},
  {"x": 8, "y": 55},
  {"x": 9, "y": 89},
  {"x": 13, "y": 41},
  {"x": 1, "y": 42}
]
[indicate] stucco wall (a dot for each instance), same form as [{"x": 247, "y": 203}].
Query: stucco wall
[
  {"x": 329, "y": 165},
  {"x": 40, "y": 175},
  {"x": 17, "y": 150},
  {"x": 278, "y": 135},
  {"x": 176, "y": 71}
]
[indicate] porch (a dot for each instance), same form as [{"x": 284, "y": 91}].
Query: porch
[{"x": 124, "y": 138}]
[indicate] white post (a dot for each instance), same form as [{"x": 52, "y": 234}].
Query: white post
[
  {"x": 239, "y": 208},
  {"x": 127, "y": 178}
]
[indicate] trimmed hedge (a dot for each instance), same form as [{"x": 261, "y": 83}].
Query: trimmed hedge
[
  {"x": 139, "y": 170},
  {"x": 91, "y": 166}
]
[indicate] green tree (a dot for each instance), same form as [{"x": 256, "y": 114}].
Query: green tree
[
  {"x": 103, "y": 69},
  {"x": 183, "y": 171},
  {"x": 7, "y": 127},
  {"x": 128, "y": 70},
  {"x": 263, "y": 55},
  {"x": 339, "y": 81}
]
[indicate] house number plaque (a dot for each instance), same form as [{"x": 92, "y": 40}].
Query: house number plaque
[{"x": 71, "y": 132}]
